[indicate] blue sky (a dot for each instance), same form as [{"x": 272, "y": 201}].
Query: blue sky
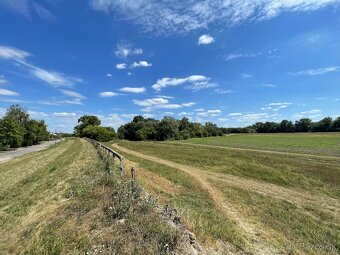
[{"x": 232, "y": 62}]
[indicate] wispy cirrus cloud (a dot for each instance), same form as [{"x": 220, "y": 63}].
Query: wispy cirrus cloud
[
  {"x": 168, "y": 17},
  {"x": 319, "y": 71},
  {"x": 7, "y": 92},
  {"x": 28, "y": 8},
  {"x": 54, "y": 78},
  {"x": 195, "y": 82}
]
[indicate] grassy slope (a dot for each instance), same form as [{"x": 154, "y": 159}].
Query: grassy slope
[
  {"x": 307, "y": 228},
  {"x": 62, "y": 201},
  {"x": 315, "y": 143}
]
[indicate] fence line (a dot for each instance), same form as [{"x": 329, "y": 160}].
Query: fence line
[{"x": 109, "y": 151}]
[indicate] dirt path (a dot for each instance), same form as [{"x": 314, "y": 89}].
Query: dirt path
[
  {"x": 256, "y": 236},
  {"x": 295, "y": 196},
  {"x": 260, "y": 151}
]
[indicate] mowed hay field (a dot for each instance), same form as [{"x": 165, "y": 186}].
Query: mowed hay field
[
  {"x": 310, "y": 143},
  {"x": 249, "y": 201},
  {"x": 70, "y": 199}
]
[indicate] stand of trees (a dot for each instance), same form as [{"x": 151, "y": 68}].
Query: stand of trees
[
  {"x": 17, "y": 129},
  {"x": 89, "y": 126},
  {"x": 286, "y": 126},
  {"x": 141, "y": 129}
]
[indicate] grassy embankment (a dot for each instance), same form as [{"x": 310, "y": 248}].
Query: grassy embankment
[
  {"x": 301, "y": 209},
  {"x": 64, "y": 201}
]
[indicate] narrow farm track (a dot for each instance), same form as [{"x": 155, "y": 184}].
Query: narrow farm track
[
  {"x": 256, "y": 235},
  {"x": 295, "y": 196},
  {"x": 293, "y": 154}
]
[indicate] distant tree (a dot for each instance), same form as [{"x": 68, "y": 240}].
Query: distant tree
[
  {"x": 324, "y": 125},
  {"x": 336, "y": 124},
  {"x": 85, "y": 121},
  {"x": 286, "y": 126},
  {"x": 167, "y": 129},
  {"x": 18, "y": 114},
  {"x": 98, "y": 133},
  {"x": 211, "y": 129},
  {"x": 303, "y": 125}
]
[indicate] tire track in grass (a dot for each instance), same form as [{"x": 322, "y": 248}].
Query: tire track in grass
[
  {"x": 293, "y": 154},
  {"x": 256, "y": 237}
]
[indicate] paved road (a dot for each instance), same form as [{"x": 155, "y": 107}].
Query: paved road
[{"x": 8, "y": 155}]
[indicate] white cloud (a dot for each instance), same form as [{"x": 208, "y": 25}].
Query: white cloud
[
  {"x": 151, "y": 101},
  {"x": 233, "y": 56},
  {"x": 124, "y": 50},
  {"x": 320, "y": 71},
  {"x": 195, "y": 82},
  {"x": 6, "y": 92},
  {"x": 54, "y": 78},
  {"x": 159, "y": 103},
  {"x": 223, "y": 91},
  {"x": 51, "y": 77},
  {"x": 210, "y": 113},
  {"x": 133, "y": 89},
  {"x": 108, "y": 94},
  {"x": 275, "y": 106},
  {"x": 74, "y": 94},
  {"x": 109, "y": 75},
  {"x": 246, "y": 75},
  {"x": 166, "y": 17},
  {"x": 11, "y": 53},
  {"x": 141, "y": 64},
  {"x": 269, "y": 85},
  {"x": 312, "y": 114},
  {"x": 205, "y": 39},
  {"x": 235, "y": 114},
  {"x": 27, "y": 8},
  {"x": 65, "y": 114},
  {"x": 121, "y": 66}
]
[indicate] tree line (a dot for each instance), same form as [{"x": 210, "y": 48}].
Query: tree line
[
  {"x": 286, "y": 126},
  {"x": 141, "y": 129},
  {"x": 17, "y": 129},
  {"x": 169, "y": 128}
]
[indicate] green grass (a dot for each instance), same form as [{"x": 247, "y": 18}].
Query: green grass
[
  {"x": 314, "y": 143},
  {"x": 316, "y": 175},
  {"x": 194, "y": 204},
  {"x": 65, "y": 201},
  {"x": 308, "y": 229}
]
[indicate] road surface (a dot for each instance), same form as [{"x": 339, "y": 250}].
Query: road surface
[{"x": 8, "y": 155}]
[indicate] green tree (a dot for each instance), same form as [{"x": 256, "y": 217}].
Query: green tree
[
  {"x": 324, "y": 125},
  {"x": 336, "y": 124},
  {"x": 11, "y": 133},
  {"x": 85, "y": 121},
  {"x": 303, "y": 125},
  {"x": 167, "y": 129},
  {"x": 98, "y": 133}
]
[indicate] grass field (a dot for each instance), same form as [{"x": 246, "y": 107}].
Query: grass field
[
  {"x": 256, "y": 202},
  {"x": 63, "y": 200},
  {"x": 315, "y": 143}
]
